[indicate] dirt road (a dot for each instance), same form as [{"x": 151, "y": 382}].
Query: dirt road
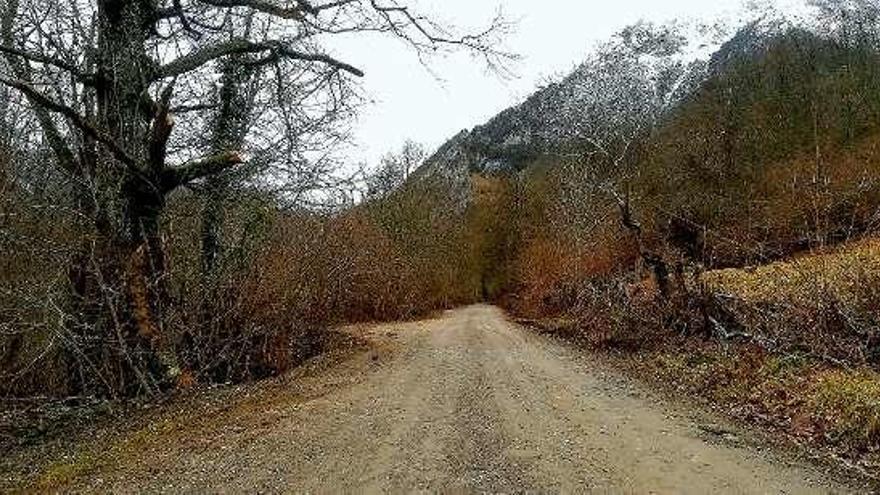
[{"x": 468, "y": 402}]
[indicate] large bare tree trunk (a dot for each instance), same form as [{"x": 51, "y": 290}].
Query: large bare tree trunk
[
  {"x": 118, "y": 278},
  {"x": 109, "y": 132}
]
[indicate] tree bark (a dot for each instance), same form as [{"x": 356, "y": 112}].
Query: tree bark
[
  {"x": 228, "y": 131},
  {"x": 117, "y": 280}
]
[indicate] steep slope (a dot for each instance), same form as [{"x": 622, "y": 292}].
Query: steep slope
[
  {"x": 700, "y": 139},
  {"x": 775, "y": 152},
  {"x": 665, "y": 61},
  {"x": 644, "y": 71}
]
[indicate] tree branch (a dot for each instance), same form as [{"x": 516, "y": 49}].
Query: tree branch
[
  {"x": 196, "y": 107},
  {"x": 298, "y": 12},
  {"x": 162, "y": 126},
  {"x": 199, "y": 58},
  {"x": 175, "y": 177},
  {"x": 45, "y": 102},
  {"x": 267, "y": 7},
  {"x": 63, "y": 153},
  {"x": 66, "y": 158},
  {"x": 43, "y": 59},
  {"x": 424, "y": 27}
]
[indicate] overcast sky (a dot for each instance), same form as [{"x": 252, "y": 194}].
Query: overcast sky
[{"x": 552, "y": 36}]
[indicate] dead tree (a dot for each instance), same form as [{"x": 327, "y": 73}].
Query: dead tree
[{"x": 652, "y": 260}]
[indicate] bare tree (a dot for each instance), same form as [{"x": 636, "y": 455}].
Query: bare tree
[
  {"x": 120, "y": 87},
  {"x": 612, "y": 105},
  {"x": 395, "y": 169}
]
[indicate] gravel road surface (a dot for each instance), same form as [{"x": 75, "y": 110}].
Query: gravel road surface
[{"x": 467, "y": 402}]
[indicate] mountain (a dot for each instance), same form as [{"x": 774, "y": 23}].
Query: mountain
[
  {"x": 723, "y": 145},
  {"x": 646, "y": 73},
  {"x": 505, "y": 143}
]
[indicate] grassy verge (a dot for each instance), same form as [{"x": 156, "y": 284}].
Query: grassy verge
[
  {"x": 845, "y": 273},
  {"x": 830, "y": 299},
  {"x": 813, "y": 403}
]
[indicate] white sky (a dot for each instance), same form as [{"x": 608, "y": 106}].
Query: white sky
[{"x": 552, "y": 37}]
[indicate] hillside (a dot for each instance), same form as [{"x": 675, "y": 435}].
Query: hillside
[
  {"x": 562, "y": 116},
  {"x": 703, "y": 142}
]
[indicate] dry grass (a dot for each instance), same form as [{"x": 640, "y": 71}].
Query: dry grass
[
  {"x": 850, "y": 404},
  {"x": 823, "y": 304},
  {"x": 811, "y": 402},
  {"x": 844, "y": 272}
]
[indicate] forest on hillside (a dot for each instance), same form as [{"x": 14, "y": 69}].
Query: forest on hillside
[{"x": 174, "y": 210}]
